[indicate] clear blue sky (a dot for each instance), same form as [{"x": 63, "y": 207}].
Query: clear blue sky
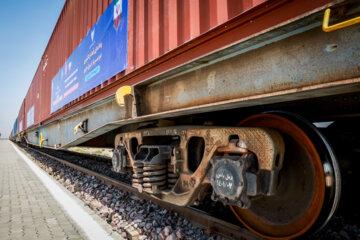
[{"x": 25, "y": 28}]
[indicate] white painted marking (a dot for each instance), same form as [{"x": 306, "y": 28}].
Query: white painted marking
[{"x": 90, "y": 227}]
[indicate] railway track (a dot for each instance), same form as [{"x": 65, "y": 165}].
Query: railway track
[{"x": 211, "y": 224}]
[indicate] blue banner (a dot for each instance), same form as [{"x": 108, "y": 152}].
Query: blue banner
[
  {"x": 15, "y": 127},
  {"x": 99, "y": 56}
]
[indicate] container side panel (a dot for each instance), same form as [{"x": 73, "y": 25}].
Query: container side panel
[
  {"x": 153, "y": 29},
  {"x": 131, "y": 38},
  {"x": 170, "y": 18},
  {"x": 205, "y": 16},
  {"x": 140, "y": 32}
]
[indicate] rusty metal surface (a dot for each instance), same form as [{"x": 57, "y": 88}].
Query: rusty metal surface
[
  {"x": 211, "y": 224},
  {"x": 301, "y": 189},
  {"x": 266, "y": 144},
  {"x": 345, "y": 86},
  {"x": 291, "y": 64}
]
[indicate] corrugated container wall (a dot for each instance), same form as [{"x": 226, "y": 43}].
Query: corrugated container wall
[
  {"x": 155, "y": 27},
  {"x": 21, "y": 118},
  {"x": 32, "y": 102}
]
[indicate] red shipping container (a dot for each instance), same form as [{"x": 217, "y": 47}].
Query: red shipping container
[
  {"x": 162, "y": 34},
  {"x": 155, "y": 27},
  {"x": 32, "y": 100},
  {"x": 21, "y": 118}
]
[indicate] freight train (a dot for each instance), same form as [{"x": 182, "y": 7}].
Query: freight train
[{"x": 241, "y": 100}]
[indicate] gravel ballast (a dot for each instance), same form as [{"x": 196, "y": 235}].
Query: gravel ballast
[
  {"x": 135, "y": 218},
  {"x": 130, "y": 216}
]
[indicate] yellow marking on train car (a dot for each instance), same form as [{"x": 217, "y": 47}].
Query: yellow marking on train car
[
  {"x": 41, "y": 140},
  {"x": 121, "y": 93}
]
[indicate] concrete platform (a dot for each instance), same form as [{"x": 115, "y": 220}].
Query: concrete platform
[{"x": 29, "y": 211}]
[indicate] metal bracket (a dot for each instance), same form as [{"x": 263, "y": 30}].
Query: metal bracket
[
  {"x": 119, "y": 159},
  {"x": 83, "y": 126},
  {"x": 228, "y": 179},
  {"x": 327, "y": 28}
]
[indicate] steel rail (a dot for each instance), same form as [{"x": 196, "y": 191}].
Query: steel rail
[
  {"x": 210, "y": 224},
  {"x": 87, "y": 155},
  {"x": 81, "y": 154}
]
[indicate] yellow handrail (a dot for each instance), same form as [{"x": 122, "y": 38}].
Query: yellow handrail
[{"x": 327, "y": 28}]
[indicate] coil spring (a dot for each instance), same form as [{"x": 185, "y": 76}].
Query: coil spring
[{"x": 151, "y": 178}]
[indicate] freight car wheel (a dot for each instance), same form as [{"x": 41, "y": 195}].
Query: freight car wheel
[{"x": 308, "y": 187}]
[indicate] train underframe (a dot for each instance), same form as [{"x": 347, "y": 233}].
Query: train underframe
[
  {"x": 275, "y": 169},
  {"x": 238, "y": 125}
]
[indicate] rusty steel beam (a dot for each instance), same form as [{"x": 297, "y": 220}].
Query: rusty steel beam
[
  {"x": 191, "y": 181},
  {"x": 312, "y": 59}
]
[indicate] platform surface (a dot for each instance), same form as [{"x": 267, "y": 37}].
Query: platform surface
[{"x": 27, "y": 209}]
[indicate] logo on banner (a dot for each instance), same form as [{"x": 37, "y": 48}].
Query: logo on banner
[
  {"x": 67, "y": 67},
  {"x": 117, "y": 13},
  {"x": 92, "y": 34}
]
